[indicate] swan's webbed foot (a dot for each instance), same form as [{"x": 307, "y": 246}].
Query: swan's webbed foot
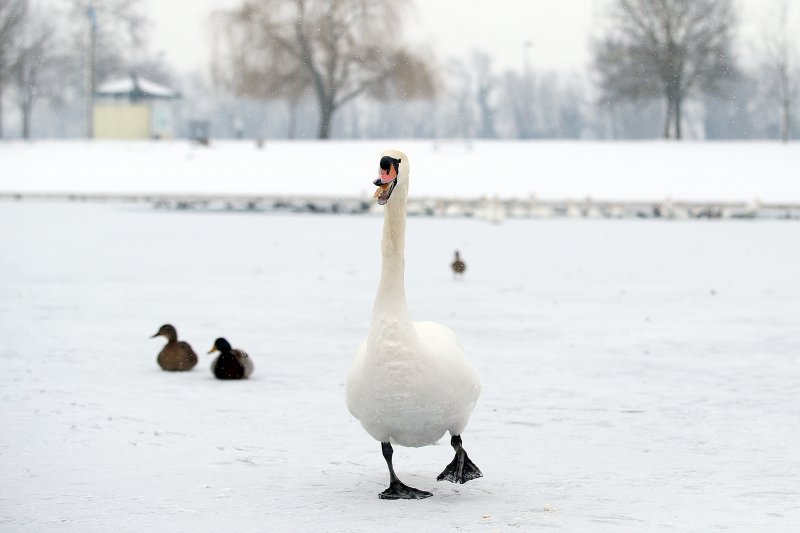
[
  {"x": 461, "y": 469},
  {"x": 397, "y": 489},
  {"x": 400, "y": 491}
]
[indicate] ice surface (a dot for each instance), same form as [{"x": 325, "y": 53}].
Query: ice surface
[
  {"x": 637, "y": 375},
  {"x": 634, "y": 171}
]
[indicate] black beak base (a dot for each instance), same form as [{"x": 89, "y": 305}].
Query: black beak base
[{"x": 384, "y": 196}]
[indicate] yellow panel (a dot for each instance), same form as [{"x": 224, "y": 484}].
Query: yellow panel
[{"x": 121, "y": 121}]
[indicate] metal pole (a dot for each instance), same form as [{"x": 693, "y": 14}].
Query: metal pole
[{"x": 526, "y": 46}]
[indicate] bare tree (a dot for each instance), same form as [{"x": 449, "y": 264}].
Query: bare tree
[
  {"x": 461, "y": 89},
  {"x": 243, "y": 68},
  {"x": 665, "y": 49},
  {"x": 341, "y": 49},
  {"x": 109, "y": 38},
  {"x": 486, "y": 83},
  {"x": 780, "y": 66},
  {"x": 519, "y": 97},
  {"x": 121, "y": 33},
  {"x": 12, "y": 17},
  {"x": 33, "y": 69}
]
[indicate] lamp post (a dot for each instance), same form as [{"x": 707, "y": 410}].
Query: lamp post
[
  {"x": 526, "y": 47},
  {"x": 92, "y": 16}
]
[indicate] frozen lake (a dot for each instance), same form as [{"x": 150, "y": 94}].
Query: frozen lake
[{"x": 637, "y": 375}]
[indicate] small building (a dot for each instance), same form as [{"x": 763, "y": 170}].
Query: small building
[{"x": 134, "y": 108}]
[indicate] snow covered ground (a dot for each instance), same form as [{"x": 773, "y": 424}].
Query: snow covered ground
[
  {"x": 638, "y": 375},
  {"x": 552, "y": 170}
]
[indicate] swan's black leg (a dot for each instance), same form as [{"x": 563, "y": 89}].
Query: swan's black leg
[
  {"x": 397, "y": 489},
  {"x": 461, "y": 469}
]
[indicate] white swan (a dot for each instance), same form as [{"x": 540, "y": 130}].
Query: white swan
[{"x": 410, "y": 382}]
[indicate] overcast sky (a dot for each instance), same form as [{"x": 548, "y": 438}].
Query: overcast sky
[{"x": 558, "y": 30}]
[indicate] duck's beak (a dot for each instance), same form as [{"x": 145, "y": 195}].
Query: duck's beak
[
  {"x": 154, "y": 336},
  {"x": 213, "y": 349},
  {"x": 386, "y": 182}
]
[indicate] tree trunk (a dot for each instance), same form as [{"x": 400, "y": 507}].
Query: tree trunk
[
  {"x": 668, "y": 119},
  {"x": 1, "y": 110},
  {"x": 612, "y": 114},
  {"x": 325, "y": 119},
  {"x": 292, "y": 129},
  {"x": 678, "y": 130},
  {"x": 487, "y": 118},
  {"x": 519, "y": 122},
  {"x": 787, "y": 120},
  {"x": 26, "y": 121}
]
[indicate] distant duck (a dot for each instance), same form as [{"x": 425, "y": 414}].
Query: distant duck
[
  {"x": 230, "y": 363},
  {"x": 458, "y": 266},
  {"x": 410, "y": 382},
  {"x": 176, "y": 355}
]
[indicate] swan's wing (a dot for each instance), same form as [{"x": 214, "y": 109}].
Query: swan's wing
[
  {"x": 447, "y": 357},
  {"x": 458, "y": 385},
  {"x": 361, "y": 354},
  {"x": 355, "y": 380},
  {"x": 435, "y": 335}
]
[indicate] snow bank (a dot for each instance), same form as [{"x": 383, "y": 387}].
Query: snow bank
[{"x": 630, "y": 171}]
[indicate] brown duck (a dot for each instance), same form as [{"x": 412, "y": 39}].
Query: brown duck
[
  {"x": 458, "y": 266},
  {"x": 176, "y": 355},
  {"x": 230, "y": 363}
]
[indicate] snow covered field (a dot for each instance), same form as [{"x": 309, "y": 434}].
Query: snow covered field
[
  {"x": 552, "y": 170},
  {"x": 638, "y": 375}
]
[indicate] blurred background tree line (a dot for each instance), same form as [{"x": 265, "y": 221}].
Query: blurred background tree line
[{"x": 341, "y": 69}]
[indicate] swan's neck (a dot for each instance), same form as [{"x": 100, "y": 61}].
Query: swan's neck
[{"x": 390, "y": 318}]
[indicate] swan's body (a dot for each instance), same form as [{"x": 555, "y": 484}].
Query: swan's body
[
  {"x": 411, "y": 391},
  {"x": 410, "y": 382}
]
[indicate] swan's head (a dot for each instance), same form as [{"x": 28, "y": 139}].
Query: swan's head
[{"x": 393, "y": 170}]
